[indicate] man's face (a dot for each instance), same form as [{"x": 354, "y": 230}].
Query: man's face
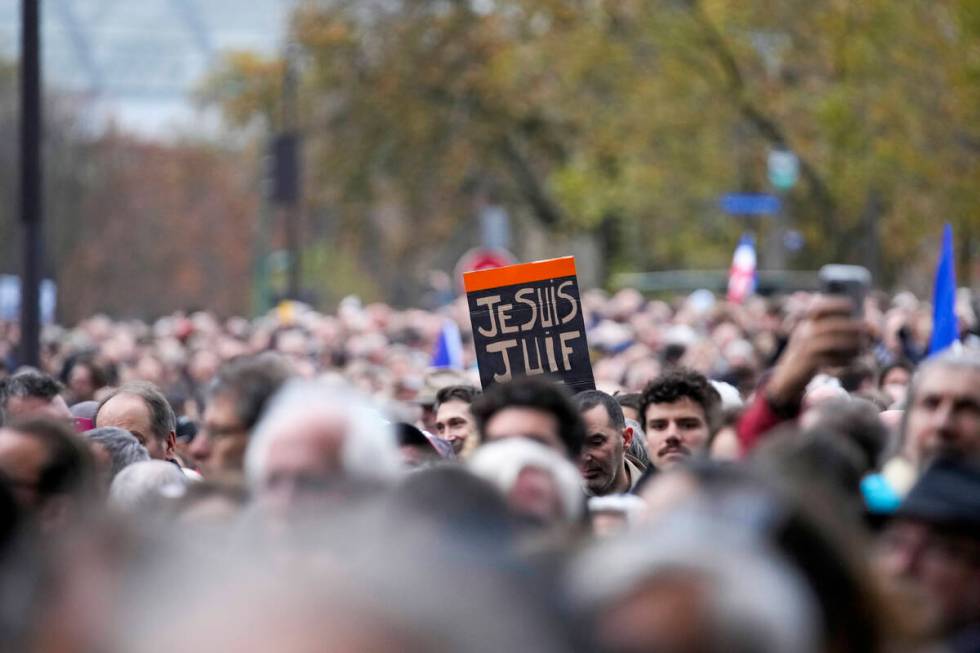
[
  {"x": 675, "y": 431},
  {"x": 945, "y": 414},
  {"x": 896, "y": 384},
  {"x": 525, "y": 422},
  {"x": 22, "y": 459},
  {"x": 938, "y": 569},
  {"x": 454, "y": 423},
  {"x": 220, "y": 446},
  {"x": 602, "y": 461},
  {"x": 130, "y": 412},
  {"x": 80, "y": 383},
  {"x": 29, "y": 407},
  {"x": 303, "y": 463}
]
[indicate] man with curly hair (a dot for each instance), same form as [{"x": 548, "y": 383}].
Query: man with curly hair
[{"x": 679, "y": 410}]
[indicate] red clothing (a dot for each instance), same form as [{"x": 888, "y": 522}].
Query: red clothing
[{"x": 759, "y": 418}]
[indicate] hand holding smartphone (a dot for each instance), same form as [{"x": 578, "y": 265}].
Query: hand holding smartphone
[{"x": 851, "y": 281}]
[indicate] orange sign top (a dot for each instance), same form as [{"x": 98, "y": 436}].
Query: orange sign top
[{"x": 521, "y": 273}]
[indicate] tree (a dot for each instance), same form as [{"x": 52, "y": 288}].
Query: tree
[
  {"x": 629, "y": 118},
  {"x": 132, "y": 228}
]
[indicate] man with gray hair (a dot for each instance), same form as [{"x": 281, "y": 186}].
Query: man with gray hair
[
  {"x": 114, "y": 449},
  {"x": 314, "y": 443},
  {"x": 141, "y": 409},
  {"x": 943, "y": 411}
]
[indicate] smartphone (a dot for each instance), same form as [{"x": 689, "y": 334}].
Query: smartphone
[{"x": 851, "y": 281}]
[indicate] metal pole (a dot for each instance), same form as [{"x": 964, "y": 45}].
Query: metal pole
[
  {"x": 292, "y": 207},
  {"x": 30, "y": 181}
]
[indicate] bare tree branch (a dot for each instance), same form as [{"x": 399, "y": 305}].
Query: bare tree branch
[
  {"x": 767, "y": 126},
  {"x": 533, "y": 190}
]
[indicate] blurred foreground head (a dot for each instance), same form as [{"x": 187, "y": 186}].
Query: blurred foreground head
[
  {"x": 695, "y": 584},
  {"x": 932, "y": 550},
  {"x": 821, "y": 547},
  {"x": 49, "y": 469},
  {"x": 144, "y": 489},
  {"x": 540, "y": 484},
  {"x": 369, "y": 581},
  {"x": 315, "y": 443}
]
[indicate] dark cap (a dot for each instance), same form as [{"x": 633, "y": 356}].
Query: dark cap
[
  {"x": 410, "y": 435},
  {"x": 947, "y": 494}
]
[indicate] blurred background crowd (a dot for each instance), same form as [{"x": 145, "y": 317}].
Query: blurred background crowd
[
  {"x": 388, "y": 352},
  {"x": 778, "y": 475}
]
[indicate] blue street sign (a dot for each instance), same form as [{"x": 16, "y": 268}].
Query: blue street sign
[{"x": 750, "y": 204}]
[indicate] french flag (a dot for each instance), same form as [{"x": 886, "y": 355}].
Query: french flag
[
  {"x": 742, "y": 277},
  {"x": 448, "y": 350}
]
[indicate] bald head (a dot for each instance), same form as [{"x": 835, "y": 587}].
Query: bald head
[{"x": 141, "y": 409}]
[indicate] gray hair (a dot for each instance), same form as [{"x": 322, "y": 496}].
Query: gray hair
[
  {"x": 957, "y": 358},
  {"x": 162, "y": 418},
  {"x": 500, "y": 462},
  {"x": 756, "y": 602},
  {"x": 638, "y": 445},
  {"x": 142, "y": 487},
  {"x": 370, "y": 449},
  {"x": 953, "y": 358},
  {"x": 628, "y": 505},
  {"x": 123, "y": 447}
]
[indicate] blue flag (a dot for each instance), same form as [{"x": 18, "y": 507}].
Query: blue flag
[
  {"x": 448, "y": 352},
  {"x": 945, "y": 330}
]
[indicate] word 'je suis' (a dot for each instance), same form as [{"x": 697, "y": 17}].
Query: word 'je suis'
[{"x": 533, "y": 309}]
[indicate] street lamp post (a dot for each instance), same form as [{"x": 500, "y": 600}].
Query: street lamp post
[{"x": 30, "y": 181}]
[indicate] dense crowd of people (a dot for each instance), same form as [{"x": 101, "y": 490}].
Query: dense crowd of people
[{"x": 786, "y": 474}]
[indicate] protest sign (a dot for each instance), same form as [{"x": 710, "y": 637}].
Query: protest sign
[{"x": 527, "y": 319}]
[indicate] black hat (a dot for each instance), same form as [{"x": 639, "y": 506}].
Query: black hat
[
  {"x": 409, "y": 435},
  {"x": 947, "y": 494}
]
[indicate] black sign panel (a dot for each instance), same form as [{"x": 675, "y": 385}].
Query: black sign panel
[{"x": 530, "y": 324}]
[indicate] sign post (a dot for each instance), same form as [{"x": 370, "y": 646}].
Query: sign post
[{"x": 527, "y": 320}]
